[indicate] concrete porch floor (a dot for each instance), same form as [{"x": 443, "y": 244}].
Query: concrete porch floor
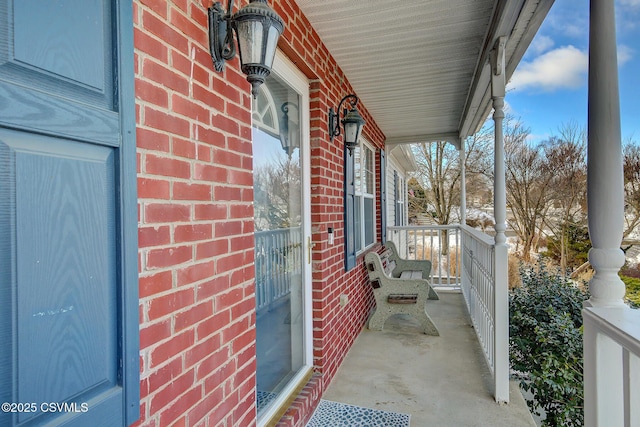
[{"x": 440, "y": 381}]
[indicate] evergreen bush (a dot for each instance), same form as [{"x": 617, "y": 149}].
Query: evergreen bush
[
  {"x": 633, "y": 290},
  {"x": 545, "y": 347},
  {"x": 577, "y": 245}
]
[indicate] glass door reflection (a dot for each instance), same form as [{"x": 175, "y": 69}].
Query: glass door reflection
[{"x": 279, "y": 260}]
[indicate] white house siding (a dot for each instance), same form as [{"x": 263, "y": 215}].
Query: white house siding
[{"x": 393, "y": 167}]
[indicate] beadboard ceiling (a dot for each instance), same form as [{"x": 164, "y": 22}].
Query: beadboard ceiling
[{"x": 421, "y": 67}]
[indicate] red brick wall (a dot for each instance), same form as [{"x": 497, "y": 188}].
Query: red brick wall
[
  {"x": 335, "y": 327},
  {"x": 197, "y": 311}
]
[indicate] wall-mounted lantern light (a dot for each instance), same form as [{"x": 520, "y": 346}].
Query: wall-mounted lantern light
[
  {"x": 352, "y": 123},
  {"x": 289, "y": 130},
  {"x": 258, "y": 28}
]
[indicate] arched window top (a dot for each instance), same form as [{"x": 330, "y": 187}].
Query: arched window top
[{"x": 265, "y": 112}]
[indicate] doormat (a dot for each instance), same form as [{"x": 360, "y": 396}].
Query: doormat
[
  {"x": 337, "y": 414},
  {"x": 263, "y": 399}
]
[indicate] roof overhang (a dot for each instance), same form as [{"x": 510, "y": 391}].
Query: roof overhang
[
  {"x": 403, "y": 155},
  {"x": 421, "y": 68}
]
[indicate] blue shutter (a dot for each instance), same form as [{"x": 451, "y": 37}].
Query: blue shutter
[
  {"x": 383, "y": 197},
  {"x": 68, "y": 213},
  {"x": 349, "y": 218}
]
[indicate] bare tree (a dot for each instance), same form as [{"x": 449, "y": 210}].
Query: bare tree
[
  {"x": 566, "y": 162},
  {"x": 631, "y": 159},
  {"x": 439, "y": 174},
  {"x": 438, "y": 179},
  {"x": 528, "y": 180},
  {"x": 277, "y": 194},
  {"x": 439, "y": 171},
  {"x": 417, "y": 201},
  {"x": 479, "y": 150}
]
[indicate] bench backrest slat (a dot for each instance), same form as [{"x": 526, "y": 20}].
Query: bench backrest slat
[{"x": 378, "y": 265}]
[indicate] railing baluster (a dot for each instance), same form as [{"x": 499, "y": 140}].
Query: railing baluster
[
  {"x": 278, "y": 256},
  {"x": 428, "y": 243},
  {"x": 611, "y": 366}
]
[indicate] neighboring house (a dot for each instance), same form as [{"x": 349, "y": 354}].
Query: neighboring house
[{"x": 170, "y": 257}]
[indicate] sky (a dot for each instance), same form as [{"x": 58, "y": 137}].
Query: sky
[{"x": 549, "y": 87}]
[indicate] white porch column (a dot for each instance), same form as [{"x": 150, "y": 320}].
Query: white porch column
[
  {"x": 605, "y": 183},
  {"x": 609, "y": 378},
  {"x": 463, "y": 208},
  {"x": 463, "y": 183},
  {"x": 498, "y": 84},
  {"x": 501, "y": 303}
]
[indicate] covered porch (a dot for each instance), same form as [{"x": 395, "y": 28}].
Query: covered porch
[
  {"x": 456, "y": 378},
  {"x": 438, "y": 381},
  {"x": 445, "y": 103}
]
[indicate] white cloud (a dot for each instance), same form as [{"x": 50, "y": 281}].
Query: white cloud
[
  {"x": 561, "y": 68},
  {"x": 625, "y": 53},
  {"x": 540, "y": 44},
  {"x": 568, "y": 19},
  {"x": 533, "y": 138},
  {"x": 578, "y": 30},
  {"x": 508, "y": 109}
]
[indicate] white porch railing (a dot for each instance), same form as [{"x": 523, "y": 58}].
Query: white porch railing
[
  {"x": 278, "y": 256},
  {"x": 439, "y": 244},
  {"x": 611, "y": 367},
  {"x": 468, "y": 260},
  {"x": 478, "y": 260},
  {"x": 485, "y": 290}
]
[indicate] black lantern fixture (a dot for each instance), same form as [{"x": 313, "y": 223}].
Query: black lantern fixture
[
  {"x": 258, "y": 28},
  {"x": 289, "y": 131},
  {"x": 352, "y": 122}
]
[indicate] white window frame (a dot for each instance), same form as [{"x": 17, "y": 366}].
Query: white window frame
[
  {"x": 361, "y": 195},
  {"x": 400, "y": 201}
]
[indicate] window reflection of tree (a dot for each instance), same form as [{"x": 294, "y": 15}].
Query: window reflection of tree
[{"x": 276, "y": 192}]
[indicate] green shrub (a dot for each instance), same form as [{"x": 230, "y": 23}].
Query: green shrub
[
  {"x": 577, "y": 245},
  {"x": 633, "y": 290},
  {"x": 545, "y": 347}
]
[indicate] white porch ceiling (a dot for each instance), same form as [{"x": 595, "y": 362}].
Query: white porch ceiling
[{"x": 421, "y": 67}]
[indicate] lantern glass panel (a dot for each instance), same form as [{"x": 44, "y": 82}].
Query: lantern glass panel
[
  {"x": 250, "y": 40},
  {"x": 272, "y": 43},
  {"x": 351, "y": 131}
]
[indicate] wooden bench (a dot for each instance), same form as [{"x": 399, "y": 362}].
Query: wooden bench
[{"x": 397, "y": 295}]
